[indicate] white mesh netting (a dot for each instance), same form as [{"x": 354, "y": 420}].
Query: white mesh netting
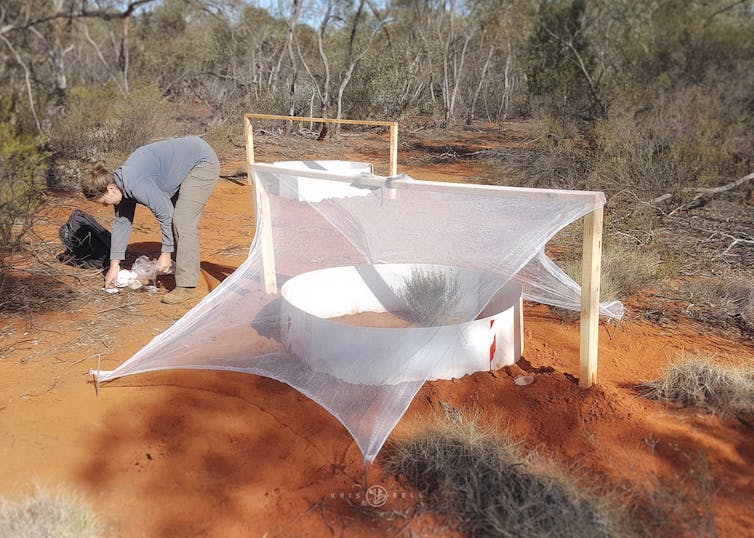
[{"x": 432, "y": 258}]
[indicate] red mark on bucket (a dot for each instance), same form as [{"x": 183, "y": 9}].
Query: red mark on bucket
[{"x": 493, "y": 347}]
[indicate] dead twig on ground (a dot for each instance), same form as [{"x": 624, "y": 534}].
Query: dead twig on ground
[
  {"x": 324, "y": 518},
  {"x": 9, "y": 347},
  {"x": 118, "y": 307},
  {"x": 239, "y": 177},
  {"x": 36, "y": 394}
]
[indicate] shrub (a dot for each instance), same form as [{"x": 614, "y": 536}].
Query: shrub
[
  {"x": 723, "y": 302},
  {"x": 58, "y": 514},
  {"x": 686, "y": 137},
  {"x": 698, "y": 380},
  {"x": 22, "y": 171},
  {"x": 432, "y": 298},
  {"x": 493, "y": 488},
  {"x": 624, "y": 271},
  {"x": 225, "y": 138},
  {"x": 101, "y": 122}
]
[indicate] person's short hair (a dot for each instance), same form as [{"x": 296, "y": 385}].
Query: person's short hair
[{"x": 94, "y": 184}]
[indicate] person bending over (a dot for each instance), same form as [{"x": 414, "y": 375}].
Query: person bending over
[{"x": 174, "y": 179}]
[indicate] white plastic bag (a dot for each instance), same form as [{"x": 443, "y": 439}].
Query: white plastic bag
[{"x": 128, "y": 279}]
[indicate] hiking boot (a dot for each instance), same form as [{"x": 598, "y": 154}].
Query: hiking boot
[{"x": 179, "y": 295}]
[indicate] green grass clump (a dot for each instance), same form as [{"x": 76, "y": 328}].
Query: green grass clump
[
  {"x": 48, "y": 514},
  {"x": 494, "y": 489},
  {"x": 698, "y": 380}
]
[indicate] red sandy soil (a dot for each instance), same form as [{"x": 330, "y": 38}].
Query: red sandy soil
[{"x": 200, "y": 453}]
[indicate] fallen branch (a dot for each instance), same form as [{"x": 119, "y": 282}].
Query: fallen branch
[
  {"x": 238, "y": 178},
  {"x": 722, "y": 188},
  {"x": 701, "y": 192}
]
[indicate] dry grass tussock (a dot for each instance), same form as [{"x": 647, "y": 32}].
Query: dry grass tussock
[
  {"x": 494, "y": 488},
  {"x": 432, "y": 298},
  {"x": 47, "y": 513},
  {"x": 25, "y": 292},
  {"x": 723, "y": 302},
  {"x": 698, "y": 380},
  {"x": 624, "y": 271}
]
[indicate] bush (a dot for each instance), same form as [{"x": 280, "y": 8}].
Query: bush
[
  {"x": 432, "y": 298},
  {"x": 698, "y": 380},
  {"x": 493, "y": 488},
  {"x": 58, "y": 514},
  {"x": 624, "y": 271},
  {"x": 722, "y": 302},
  {"x": 226, "y": 138},
  {"x": 686, "y": 137},
  {"x": 22, "y": 171},
  {"x": 103, "y": 125}
]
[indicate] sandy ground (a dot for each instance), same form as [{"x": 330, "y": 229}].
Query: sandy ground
[{"x": 188, "y": 453}]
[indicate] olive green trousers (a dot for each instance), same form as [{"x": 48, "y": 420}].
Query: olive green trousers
[{"x": 195, "y": 190}]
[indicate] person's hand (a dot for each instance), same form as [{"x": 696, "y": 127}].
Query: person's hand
[
  {"x": 163, "y": 262},
  {"x": 111, "y": 278}
]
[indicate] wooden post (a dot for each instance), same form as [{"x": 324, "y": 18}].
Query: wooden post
[
  {"x": 248, "y": 131},
  {"x": 393, "y": 149},
  {"x": 268, "y": 248},
  {"x": 590, "y": 297},
  {"x": 262, "y": 210}
]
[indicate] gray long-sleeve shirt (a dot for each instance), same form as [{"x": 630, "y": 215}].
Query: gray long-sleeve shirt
[{"x": 151, "y": 176}]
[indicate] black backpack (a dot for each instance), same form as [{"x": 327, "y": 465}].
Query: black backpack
[{"x": 87, "y": 241}]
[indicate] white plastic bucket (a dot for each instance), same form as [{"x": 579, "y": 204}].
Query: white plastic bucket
[{"x": 311, "y": 300}]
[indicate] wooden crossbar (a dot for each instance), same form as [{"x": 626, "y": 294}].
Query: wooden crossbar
[{"x": 393, "y": 125}]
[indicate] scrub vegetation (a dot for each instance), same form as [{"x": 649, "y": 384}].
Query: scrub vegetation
[
  {"x": 432, "y": 298},
  {"x": 49, "y": 513},
  {"x": 647, "y": 101},
  {"x": 700, "y": 380},
  {"x": 494, "y": 487}
]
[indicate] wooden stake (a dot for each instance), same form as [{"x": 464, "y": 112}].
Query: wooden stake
[
  {"x": 248, "y": 131},
  {"x": 264, "y": 221},
  {"x": 263, "y": 217},
  {"x": 590, "y": 297},
  {"x": 393, "y": 149}
]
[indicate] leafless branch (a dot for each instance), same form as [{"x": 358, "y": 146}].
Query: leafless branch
[
  {"x": 104, "y": 62},
  {"x": 104, "y": 14},
  {"x": 709, "y": 191},
  {"x": 724, "y": 9},
  {"x": 582, "y": 67},
  {"x": 722, "y": 188},
  {"x": 27, "y": 78}
]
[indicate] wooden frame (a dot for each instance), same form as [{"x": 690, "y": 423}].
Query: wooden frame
[
  {"x": 592, "y": 239},
  {"x": 263, "y": 202},
  {"x": 249, "y": 133}
]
